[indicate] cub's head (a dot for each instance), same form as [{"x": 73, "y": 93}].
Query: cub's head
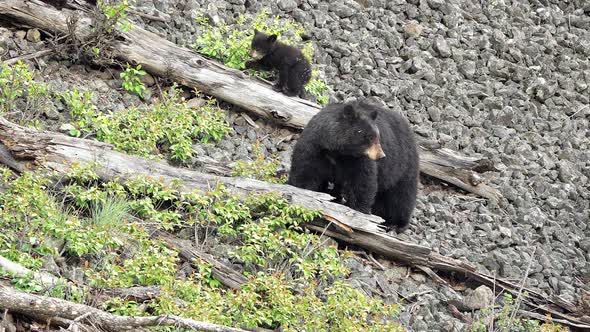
[
  {"x": 357, "y": 132},
  {"x": 262, "y": 44}
]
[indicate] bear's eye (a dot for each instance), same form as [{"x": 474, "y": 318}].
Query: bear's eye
[{"x": 359, "y": 131}]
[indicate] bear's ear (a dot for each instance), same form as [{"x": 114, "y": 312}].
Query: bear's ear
[
  {"x": 348, "y": 112},
  {"x": 256, "y": 31},
  {"x": 374, "y": 114},
  {"x": 272, "y": 38}
]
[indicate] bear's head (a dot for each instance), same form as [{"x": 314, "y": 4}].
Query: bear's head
[
  {"x": 357, "y": 132},
  {"x": 262, "y": 44}
]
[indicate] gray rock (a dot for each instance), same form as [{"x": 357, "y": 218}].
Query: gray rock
[
  {"x": 66, "y": 128},
  {"x": 482, "y": 297},
  {"x": 33, "y": 35},
  {"x": 505, "y": 231},
  {"x": 251, "y": 133},
  {"x": 147, "y": 79},
  {"x": 442, "y": 47},
  {"x": 379, "y": 89},
  {"x": 51, "y": 112},
  {"x": 508, "y": 84},
  {"x": 468, "y": 69},
  {"x": 342, "y": 10},
  {"x": 320, "y": 19},
  {"x": 20, "y": 34},
  {"x": 345, "y": 65},
  {"x": 413, "y": 29},
  {"x": 287, "y": 5},
  {"x": 568, "y": 172}
]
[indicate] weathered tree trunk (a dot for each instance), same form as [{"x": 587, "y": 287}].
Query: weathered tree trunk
[
  {"x": 137, "y": 293},
  {"x": 46, "y": 307},
  {"x": 29, "y": 148},
  {"x": 18, "y": 270},
  {"x": 164, "y": 58},
  {"x": 221, "y": 272}
]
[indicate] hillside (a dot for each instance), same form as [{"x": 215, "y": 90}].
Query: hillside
[{"x": 505, "y": 82}]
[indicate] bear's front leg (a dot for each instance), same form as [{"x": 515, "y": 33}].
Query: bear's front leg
[
  {"x": 253, "y": 64},
  {"x": 359, "y": 184},
  {"x": 261, "y": 64},
  {"x": 281, "y": 85}
]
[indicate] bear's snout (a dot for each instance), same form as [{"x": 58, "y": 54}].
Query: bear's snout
[
  {"x": 255, "y": 54},
  {"x": 375, "y": 152}
]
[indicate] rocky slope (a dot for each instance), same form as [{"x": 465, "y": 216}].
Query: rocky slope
[{"x": 506, "y": 80}]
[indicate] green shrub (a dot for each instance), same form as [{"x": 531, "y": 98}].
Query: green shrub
[
  {"x": 131, "y": 80},
  {"x": 169, "y": 128},
  {"x": 505, "y": 321},
  {"x": 261, "y": 168},
  {"x": 295, "y": 281},
  {"x": 21, "y": 94},
  {"x": 318, "y": 88},
  {"x": 85, "y": 114},
  {"x": 115, "y": 15},
  {"x": 147, "y": 263},
  {"x": 36, "y": 225}
]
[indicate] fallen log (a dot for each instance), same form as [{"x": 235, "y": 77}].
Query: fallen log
[
  {"x": 164, "y": 58},
  {"x": 137, "y": 293},
  {"x": 221, "y": 272},
  {"x": 42, "y": 307},
  {"x": 31, "y": 149},
  {"x": 18, "y": 270},
  {"x": 441, "y": 163}
]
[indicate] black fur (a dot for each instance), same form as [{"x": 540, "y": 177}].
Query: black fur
[
  {"x": 331, "y": 151},
  {"x": 294, "y": 69}
]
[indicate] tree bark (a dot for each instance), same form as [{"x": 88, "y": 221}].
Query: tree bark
[
  {"x": 137, "y": 293},
  {"x": 164, "y": 58},
  {"x": 18, "y": 270},
  {"x": 221, "y": 272},
  {"x": 29, "y": 148},
  {"x": 41, "y": 306}
]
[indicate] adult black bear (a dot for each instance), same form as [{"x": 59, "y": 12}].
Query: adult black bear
[
  {"x": 369, "y": 155},
  {"x": 294, "y": 69}
]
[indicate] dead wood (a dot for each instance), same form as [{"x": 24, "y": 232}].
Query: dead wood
[
  {"x": 221, "y": 272},
  {"x": 41, "y": 306},
  {"x": 31, "y": 149},
  {"x": 137, "y": 293},
  {"x": 164, "y": 58},
  {"x": 18, "y": 270},
  {"x": 29, "y": 56}
]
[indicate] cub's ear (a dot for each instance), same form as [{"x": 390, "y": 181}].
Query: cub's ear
[
  {"x": 272, "y": 38},
  {"x": 348, "y": 112},
  {"x": 374, "y": 114},
  {"x": 256, "y": 31}
]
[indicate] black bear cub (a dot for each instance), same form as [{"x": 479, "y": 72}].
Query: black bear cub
[
  {"x": 367, "y": 153},
  {"x": 294, "y": 69}
]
